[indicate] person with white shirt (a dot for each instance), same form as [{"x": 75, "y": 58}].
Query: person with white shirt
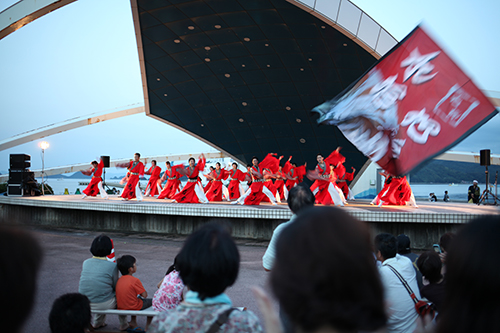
[{"x": 400, "y": 308}]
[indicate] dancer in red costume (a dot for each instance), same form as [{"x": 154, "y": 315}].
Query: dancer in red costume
[
  {"x": 279, "y": 184},
  {"x": 154, "y": 186},
  {"x": 343, "y": 177},
  {"x": 217, "y": 190},
  {"x": 192, "y": 191},
  {"x": 396, "y": 191},
  {"x": 294, "y": 175},
  {"x": 135, "y": 170},
  {"x": 173, "y": 181},
  {"x": 209, "y": 180},
  {"x": 257, "y": 190},
  {"x": 95, "y": 184},
  {"x": 236, "y": 176},
  {"x": 322, "y": 188}
]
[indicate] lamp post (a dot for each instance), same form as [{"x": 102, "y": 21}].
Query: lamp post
[{"x": 44, "y": 145}]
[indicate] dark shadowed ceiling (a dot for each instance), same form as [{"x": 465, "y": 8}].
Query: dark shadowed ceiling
[{"x": 244, "y": 75}]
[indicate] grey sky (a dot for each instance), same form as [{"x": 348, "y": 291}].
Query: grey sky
[{"x": 82, "y": 59}]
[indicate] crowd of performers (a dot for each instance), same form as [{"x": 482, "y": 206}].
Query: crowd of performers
[{"x": 268, "y": 180}]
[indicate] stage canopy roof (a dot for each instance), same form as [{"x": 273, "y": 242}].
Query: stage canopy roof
[{"x": 243, "y": 75}]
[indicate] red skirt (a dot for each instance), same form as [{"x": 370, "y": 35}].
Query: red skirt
[
  {"x": 152, "y": 184},
  {"x": 188, "y": 194},
  {"x": 398, "y": 193},
  {"x": 256, "y": 195},
  {"x": 92, "y": 188},
  {"x": 234, "y": 189},
  {"x": 129, "y": 189},
  {"x": 278, "y": 184},
  {"x": 214, "y": 193},
  {"x": 170, "y": 189},
  {"x": 322, "y": 196}
]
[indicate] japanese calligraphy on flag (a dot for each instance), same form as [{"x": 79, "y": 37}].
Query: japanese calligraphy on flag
[{"x": 413, "y": 104}]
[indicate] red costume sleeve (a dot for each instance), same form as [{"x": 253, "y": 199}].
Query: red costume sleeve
[
  {"x": 334, "y": 158},
  {"x": 141, "y": 169},
  {"x": 123, "y": 165},
  {"x": 87, "y": 172},
  {"x": 100, "y": 167},
  {"x": 240, "y": 175},
  {"x": 270, "y": 162},
  {"x": 201, "y": 164},
  {"x": 340, "y": 171},
  {"x": 300, "y": 171},
  {"x": 149, "y": 171},
  {"x": 225, "y": 174},
  {"x": 286, "y": 168},
  {"x": 157, "y": 171},
  {"x": 349, "y": 176}
]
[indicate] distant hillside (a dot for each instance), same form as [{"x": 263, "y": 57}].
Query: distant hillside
[{"x": 452, "y": 172}]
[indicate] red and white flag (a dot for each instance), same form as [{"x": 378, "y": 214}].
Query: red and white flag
[{"x": 412, "y": 105}]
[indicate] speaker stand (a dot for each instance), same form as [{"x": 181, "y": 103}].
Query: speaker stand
[
  {"x": 104, "y": 185},
  {"x": 487, "y": 191}
]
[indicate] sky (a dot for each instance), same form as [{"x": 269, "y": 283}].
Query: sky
[{"x": 82, "y": 59}]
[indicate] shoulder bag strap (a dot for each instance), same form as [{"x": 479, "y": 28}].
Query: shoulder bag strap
[
  {"x": 403, "y": 281},
  {"x": 221, "y": 320}
]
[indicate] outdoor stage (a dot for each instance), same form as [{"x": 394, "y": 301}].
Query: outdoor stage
[{"x": 424, "y": 225}]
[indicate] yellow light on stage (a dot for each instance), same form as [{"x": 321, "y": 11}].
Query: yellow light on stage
[{"x": 44, "y": 145}]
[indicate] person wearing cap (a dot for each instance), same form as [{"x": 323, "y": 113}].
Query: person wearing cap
[
  {"x": 404, "y": 249},
  {"x": 474, "y": 193}
]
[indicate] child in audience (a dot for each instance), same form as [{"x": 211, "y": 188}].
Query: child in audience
[
  {"x": 70, "y": 313},
  {"x": 130, "y": 293},
  {"x": 170, "y": 290}
]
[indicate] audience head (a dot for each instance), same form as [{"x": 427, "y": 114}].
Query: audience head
[
  {"x": 101, "y": 246},
  {"x": 70, "y": 314},
  {"x": 20, "y": 258},
  {"x": 300, "y": 197},
  {"x": 173, "y": 266},
  {"x": 472, "y": 290},
  {"x": 429, "y": 264},
  {"x": 403, "y": 244},
  {"x": 209, "y": 261},
  {"x": 445, "y": 241},
  {"x": 124, "y": 264},
  {"x": 386, "y": 246},
  {"x": 324, "y": 274}
]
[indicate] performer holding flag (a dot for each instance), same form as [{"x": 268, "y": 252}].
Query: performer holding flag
[
  {"x": 95, "y": 184},
  {"x": 135, "y": 170},
  {"x": 154, "y": 186},
  {"x": 413, "y": 104}
]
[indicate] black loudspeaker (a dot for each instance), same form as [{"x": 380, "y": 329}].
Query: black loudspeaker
[
  {"x": 105, "y": 160},
  {"x": 21, "y": 177},
  {"x": 15, "y": 190},
  {"x": 485, "y": 157},
  {"x": 20, "y": 161}
]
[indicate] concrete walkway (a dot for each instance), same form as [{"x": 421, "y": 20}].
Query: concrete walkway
[{"x": 65, "y": 251}]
